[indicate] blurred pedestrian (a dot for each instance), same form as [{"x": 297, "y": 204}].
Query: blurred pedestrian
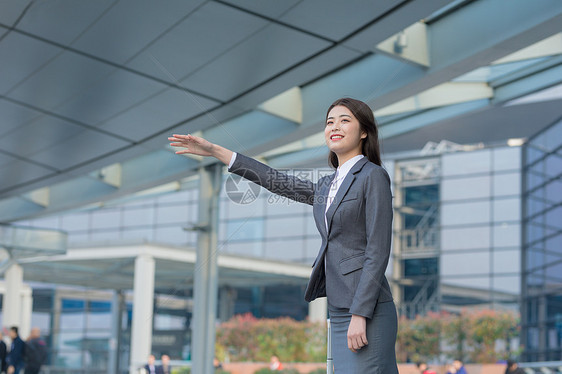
[
  {"x": 423, "y": 368},
  {"x": 35, "y": 352},
  {"x": 165, "y": 367},
  {"x": 3, "y": 354},
  {"x": 14, "y": 360},
  {"x": 513, "y": 368},
  {"x": 150, "y": 366},
  {"x": 459, "y": 367},
  {"x": 275, "y": 364}
]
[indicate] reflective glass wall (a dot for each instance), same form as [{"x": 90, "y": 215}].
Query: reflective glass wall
[{"x": 542, "y": 260}]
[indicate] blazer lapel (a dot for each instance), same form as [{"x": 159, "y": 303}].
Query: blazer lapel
[
  {"x": 320, "y": 211},
  {"x": 342, "y": 191}
]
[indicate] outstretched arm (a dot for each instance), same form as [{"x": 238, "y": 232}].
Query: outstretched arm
[{"x": 196, "y": 145}]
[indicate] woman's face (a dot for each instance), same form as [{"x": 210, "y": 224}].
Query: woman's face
[{"x": 343, "y": 133}]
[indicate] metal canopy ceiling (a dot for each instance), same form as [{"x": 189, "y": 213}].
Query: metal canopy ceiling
[
  {"x": 89, "y": 91},
  {"x": 113, "y": 266}
]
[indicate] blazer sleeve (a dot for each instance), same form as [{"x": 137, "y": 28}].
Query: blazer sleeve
[
  {"x": 279, "y": 183},
  {"x": 378, "y": 221}
]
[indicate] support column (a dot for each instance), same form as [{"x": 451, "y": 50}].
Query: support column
[
  {"x": 12, "y": 299},
  {"x": 143, "y": 304},
  {"x": 206, "y": 277},
  {"x": 318, "y": 310},
  {"x": 26, "y": 311},
  {"x": 117, "y": 302},
  {"x": 227, "y": 298}
]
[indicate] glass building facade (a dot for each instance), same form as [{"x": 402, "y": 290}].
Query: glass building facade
[
  {"x": 457, "y": 230},
  {"x": 542, "y": 249}
]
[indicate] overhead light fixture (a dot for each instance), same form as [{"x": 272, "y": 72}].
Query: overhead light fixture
[{"x": 515, "y": 142}]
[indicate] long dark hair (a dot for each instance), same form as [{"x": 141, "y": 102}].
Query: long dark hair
[{"x": 370, "y": 145}]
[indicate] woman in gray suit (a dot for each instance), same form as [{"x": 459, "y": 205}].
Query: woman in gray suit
[{"x": 352, "y": 209}]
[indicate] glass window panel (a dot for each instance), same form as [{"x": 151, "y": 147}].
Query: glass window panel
[
  {"x": 552, "y": 136},
  {"x": 78, "y": 238},
  {"x": 553, "y": 166},
  {"x": 74, "y": 222},
  {"x": 277, "y": 205},
  {"x": 535, "y": 259},
  {"x": 253, "y": 248},
  {"x": 284, "y": 250},
  {"x": 463, "y": 163},
  {"x": 138, "y": 234},
  {"x": 68, "y": 359},
  {"x": 462, "y": 264},
  {"x": 554, "y": 243},
  {"x": 507, "y": 284},
  {"x": 507, "y": 158},
  {"x": 534, "y": 180},
  {"x": 473, "y": 212},
  {"x": 253, "y": 209},
  {"x": 41, "y": 320},
  {"x": 47, "y": 222},
  {"x": 554, "y": 271},
  {"x": 106, "y": 218},
  {"x": 465, "y": 188},
  {"x": 506, "y": 261},
  {"x": 168, "y": 322},
  {"x": 251, "y": 229},
  {"x": 554, "y": 217},
  {"x": 507, "y": 184},
  {"x": 105, "y": 235},
  {"x": 533, "y": 154},
  {"x": 175, "y": 235},
  {"x": 507, "y": 210},
  {"x": 99, "y": 320},
  {"x": 479, "y": 282},
  {"x": 174, "y": 197},
  {"x": 465, "y": 238},
  {"x": 554, "y": 192},
  {"x": 507, "y": 235},
  {"x": 138, "y": 217},
  {"x": 535, "y": 206},
  {"x": 285, "y": 226},
  {"x": 311, "y": 248},
  {"x": 172, "y": 214}
]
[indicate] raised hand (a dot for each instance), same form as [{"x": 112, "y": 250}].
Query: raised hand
[
  {"x": 196, "y": 145},
  {"x": 193, "y": 145}
]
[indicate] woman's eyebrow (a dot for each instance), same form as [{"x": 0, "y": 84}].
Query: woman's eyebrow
[{"x": 341, "y": 115}]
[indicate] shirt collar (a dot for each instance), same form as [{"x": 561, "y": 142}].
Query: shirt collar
[{"x": 346, "y": 167}]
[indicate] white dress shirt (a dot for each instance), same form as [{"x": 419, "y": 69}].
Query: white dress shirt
[{"x": 341, "y": 173}]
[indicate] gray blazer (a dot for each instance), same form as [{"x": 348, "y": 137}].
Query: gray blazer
[{"x": 353, "y": 257}]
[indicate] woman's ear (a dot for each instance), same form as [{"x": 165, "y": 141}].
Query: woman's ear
[{"x": 363, "y": 134}]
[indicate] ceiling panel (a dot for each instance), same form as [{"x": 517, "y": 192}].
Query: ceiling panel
[
  {"x": 157, "y": 113},
  {"x": 19, "y": 172},
  {"x": 14, "y": 115},
  {"x": 204, "y": 35},
  {"x": 268, "y": 8},
  {"x": 63, "y": 78},
  {"x": 130, "y": 25},
  {"x": 80, "y": 148},
  {"x": 253, "y": 61},
  {"x": 336, "y": 19},
  {"x": 110, "y": 96},
  {"x": 490, "y": 125},
  {"x": 20, "y": 56},
  {"x": 40, "y": 134},
  {"x": 72, "y": 18},
  {"x": 10, "y": 11}
]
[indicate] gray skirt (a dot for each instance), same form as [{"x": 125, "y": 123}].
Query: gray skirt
[{"x": 378, "y": 357}]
